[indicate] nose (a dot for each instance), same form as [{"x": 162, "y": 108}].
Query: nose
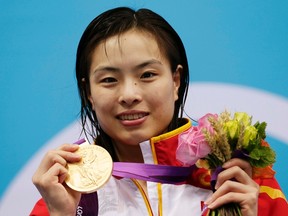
[{"x": 130, "y": 93}]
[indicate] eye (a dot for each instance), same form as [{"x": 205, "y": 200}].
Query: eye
[
  {"x": 108, "y": 80},
  {"x": 148, "y": 75}
]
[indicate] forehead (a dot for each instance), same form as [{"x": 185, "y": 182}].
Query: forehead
[{"x": 131, "y": 45}]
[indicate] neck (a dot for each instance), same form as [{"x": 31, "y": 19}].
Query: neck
[{"x": 128, "y": 153}]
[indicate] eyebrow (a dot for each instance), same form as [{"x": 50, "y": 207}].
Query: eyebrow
[
  {"x": 137, "y": 67},
  {"x": 147, "y": 63}
]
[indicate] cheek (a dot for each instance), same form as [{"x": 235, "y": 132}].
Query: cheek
[
  {"x": 101, "y": 101},
  {"x": 163, "y": 101},
  {"x": 104, "y": 113}
]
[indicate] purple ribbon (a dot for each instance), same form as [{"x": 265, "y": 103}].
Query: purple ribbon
[
  {"x": 80, "y": 141},
  {"x": 242, "y": 154},
  {"x": 214, "y": 177},
  {"x": 150, "y": 172}
]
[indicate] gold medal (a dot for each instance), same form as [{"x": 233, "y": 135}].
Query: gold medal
[{"x": 92, "y": 172}]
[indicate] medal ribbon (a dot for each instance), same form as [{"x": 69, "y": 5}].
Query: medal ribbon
[{"x": 150, "y": 172}]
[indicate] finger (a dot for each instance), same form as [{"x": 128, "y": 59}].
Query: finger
[
  {"x": 226, "y": 192},
  {"x": 68, "y": 152},
  {"x": 50, "y": 178},
  {"x": 61, "y": 172},
  {"x": 47, "y": 162},
  {"x": 233, "y": 173},
  {"x": 245, "y": 165},
  {"x": 68, "y": 147},
  {"x": 62, "y": 156},
  {"x": 238, "y": 187},
  {"x": 57, "y": 173},
  {"x": 56, "y": 156},
  {"x": 246, "y": 201}
]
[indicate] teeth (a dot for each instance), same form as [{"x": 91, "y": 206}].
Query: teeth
[{"x": 132, "y": 116}]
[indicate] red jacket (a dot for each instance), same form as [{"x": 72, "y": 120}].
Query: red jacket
[{"x": 162, "y": 151}]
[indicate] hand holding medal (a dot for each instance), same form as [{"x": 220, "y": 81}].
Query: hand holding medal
[{"x": 92, "y": 171}]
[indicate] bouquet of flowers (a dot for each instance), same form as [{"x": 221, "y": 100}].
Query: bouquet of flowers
[{"x": 217, "y": 139}]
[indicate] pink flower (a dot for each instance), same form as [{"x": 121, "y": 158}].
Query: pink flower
[
  {"x": 204, "y": 122},
  {"x": 192, "y": 146}
]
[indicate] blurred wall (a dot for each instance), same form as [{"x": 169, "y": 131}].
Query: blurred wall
[{"x": 237, "y": 54}]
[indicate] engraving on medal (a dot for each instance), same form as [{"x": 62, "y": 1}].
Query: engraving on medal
[{"x": 92, "y": 172}]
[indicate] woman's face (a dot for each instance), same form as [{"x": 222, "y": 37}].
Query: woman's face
[{"x": 133, "y": 89}]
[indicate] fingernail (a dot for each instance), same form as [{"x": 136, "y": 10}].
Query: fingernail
[
  {"x": 76, "y": 156},
  {"x": 216, "y": 186},
  {"x": 226, "y": 164},
  {"x": 211, "y": 206},
  {"x": 208, "y": 201},
  {"x": 74, "y": 145}
]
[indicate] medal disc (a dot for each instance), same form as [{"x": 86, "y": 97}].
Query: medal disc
[{"x": 92, "y": 172}]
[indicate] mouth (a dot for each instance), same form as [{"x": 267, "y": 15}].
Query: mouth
[{"x": 131, "y": 117}]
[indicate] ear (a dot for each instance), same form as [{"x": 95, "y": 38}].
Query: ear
[
  {"x": 177, "y": 80},
  {"x": 88, "y": 93},
  {"x": 91, "y": 101}
]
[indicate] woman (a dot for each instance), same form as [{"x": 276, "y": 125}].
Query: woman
[{"x": 133, "y": 76}]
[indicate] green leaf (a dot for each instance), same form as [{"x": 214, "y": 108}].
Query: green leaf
[
  {"x": 262, "y": 156},
  {"x": 261, "y": 127}
]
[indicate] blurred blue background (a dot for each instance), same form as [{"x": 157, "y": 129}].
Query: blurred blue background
[{"x": 236, "y": 42}]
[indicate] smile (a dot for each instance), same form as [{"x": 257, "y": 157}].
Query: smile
[{"x": 130, "y": 117}]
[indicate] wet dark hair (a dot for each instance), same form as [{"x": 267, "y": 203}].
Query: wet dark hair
[{"x": 116, "y": 22}]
